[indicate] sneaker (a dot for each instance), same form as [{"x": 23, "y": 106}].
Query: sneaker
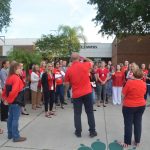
[
  {"x": 21, "y": 139},
  {"x": 25, "y": 113},
  {"x": 62, "y": 106},
  {"x": 106, "y": 102},
  {"x": 9, "y": 137},
  {"x": 65, "y": 103},
  {"x": 78, "y": 134},
  {"x": 93, "y": 134},
  {"x": 94, "y": 109},
  {"x": 57, "y": 104}
]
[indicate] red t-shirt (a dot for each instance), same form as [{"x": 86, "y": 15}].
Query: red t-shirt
[
  {"x": 17, "y": 86},
  {"x": 145, "y": 72},
  {"x": 102, "y": 73},
  {"x": 30, "y": 71},
  {"x": 118, "y": 79},
  {"x": 51, "y": 82},
  {"x": 58, "y": 76},
  {"x": 78, "y": 77},
  {"x": 134, "y": 92},
  {"x": 42, "y": 69},
  {"x": 124, "y": 68}
]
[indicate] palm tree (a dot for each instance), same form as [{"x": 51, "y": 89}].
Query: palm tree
[{"x": 73, "y": 35}]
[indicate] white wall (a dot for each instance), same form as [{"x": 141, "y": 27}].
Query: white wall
[
  {"x": 6, "y": 49},
  {"x": 96, "y": 50}
]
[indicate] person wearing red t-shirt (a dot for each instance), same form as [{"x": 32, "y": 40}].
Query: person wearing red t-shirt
[
  {"x": 59, "y": 75},
  {"x": 42, "y": 66},
  {"x": 133, "y": 107},
  {"x": 118, "y": 80},
  {"x": 145, "y": 72},
  {"x": 125, "y": 67},
  {"x": 102, "y": 74},
  {"x": 13, "y": 86},
  {"x": 48, "y": 84},
  {"x": 77, "y": 75}
]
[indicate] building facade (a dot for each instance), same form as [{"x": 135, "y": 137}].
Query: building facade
[
  {"x": 132, "y": 48},
  {"x": 96, "y": 51}
]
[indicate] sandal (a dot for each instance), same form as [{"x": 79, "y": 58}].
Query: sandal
[
  {"x": 34, "y": 107},
  {"x": 47, "y": 115},
  {"x": 1, "y": 131},
  {"x": 38, "y": 106},
  {"x": 124, "y": 145},
  {"x": 136, "y": 144},
  {"x": 52, "y": 113}
]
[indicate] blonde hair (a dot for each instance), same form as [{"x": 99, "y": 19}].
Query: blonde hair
[
  {"x": 47, "y": 66},
  {"x": 134, "y": 67}
]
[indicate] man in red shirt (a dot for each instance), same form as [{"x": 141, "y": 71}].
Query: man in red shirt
[
  {"x": 102, "y": 74},
  {"x": 125, "y": 67},
  {"x": 77, "y": 76}
]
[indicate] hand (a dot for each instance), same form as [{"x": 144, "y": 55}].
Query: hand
[
  {"x": 113, "y": 73},
  {"x": 102, "y": 83},
  {"x": 4, "y": 102}
]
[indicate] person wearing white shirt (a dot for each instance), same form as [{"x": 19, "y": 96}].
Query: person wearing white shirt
[{"x": 35, "y": 87}]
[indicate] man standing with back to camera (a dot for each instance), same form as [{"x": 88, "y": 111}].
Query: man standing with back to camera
[{"x": 77, "y": 76}]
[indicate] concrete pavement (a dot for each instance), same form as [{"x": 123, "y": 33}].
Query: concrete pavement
[{"x": 56, "y": 133}]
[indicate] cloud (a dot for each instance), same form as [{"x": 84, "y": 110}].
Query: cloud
[{"x": 32, "y": 18}]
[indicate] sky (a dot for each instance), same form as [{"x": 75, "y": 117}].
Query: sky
[{"x": 33, "y": 18}]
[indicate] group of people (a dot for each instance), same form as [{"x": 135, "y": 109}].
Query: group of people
[
  {"x": 86, "y": 78},
  {"x": 84, "y": 82}
]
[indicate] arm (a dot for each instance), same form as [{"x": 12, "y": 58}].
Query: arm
[
  {"x": 17, "y": 86},
  {"x": 66, "y": 82},
  {"x": 34, "y": 78},
  {"x": 87, "y": 59},
  {"x": 43, "y": 79},
  {"x": 99, "y": 78},
  {"x": 3, "y": 78},
  {"x": 96, "y": 77},
  {"x": 66, "y": 87},
  {"x": 125, "y": 89}
]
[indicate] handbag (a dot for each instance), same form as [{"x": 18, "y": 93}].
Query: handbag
[{"x": 20, "y": 99}]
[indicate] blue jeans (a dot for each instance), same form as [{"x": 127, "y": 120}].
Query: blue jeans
[
  {"x": 147, "y": 91},
  {"x": 13, "y": 121},
  {"x": 93, "y": 96},
  {"x": 59, "y": 93},
  {"x": 88, "y": 104},
  {"x": 101, "y": 92}
]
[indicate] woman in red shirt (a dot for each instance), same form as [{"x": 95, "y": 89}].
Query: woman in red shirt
[
  {"x": 13, "y": 86},
  {"x": 133, "y": 107},
  {"x": 59, "y": 75},
  {"x": 118, "y": 79}
]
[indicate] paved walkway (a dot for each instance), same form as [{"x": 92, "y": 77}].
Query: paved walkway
[{"x": 57, "y": 133}]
